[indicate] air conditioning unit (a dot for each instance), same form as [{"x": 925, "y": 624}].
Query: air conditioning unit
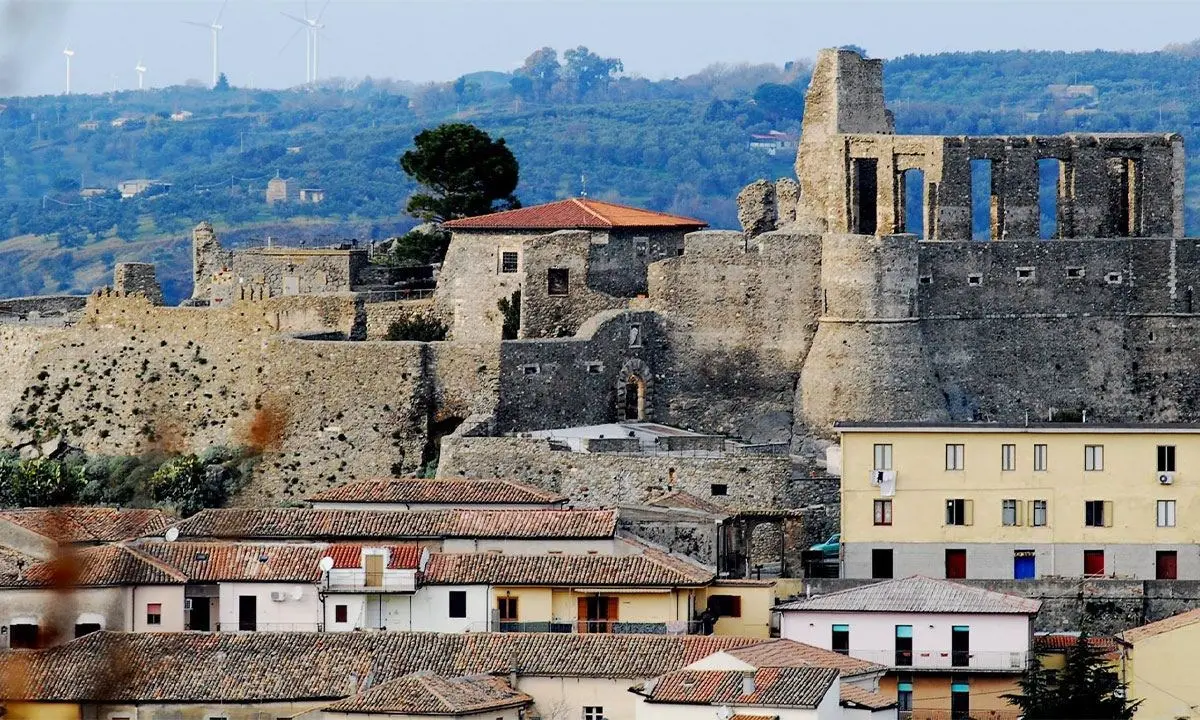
[
  {"x": 187, "y": 603},
  {"x": 278, "y": 596},
  {"x": 1166, "y": 478}
]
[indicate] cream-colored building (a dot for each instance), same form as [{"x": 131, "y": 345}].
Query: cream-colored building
[
  {"x": 1158, "y": 661},
  {"x": 995, "y": 501}
]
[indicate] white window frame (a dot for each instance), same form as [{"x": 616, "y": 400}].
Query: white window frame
[
  {"x": 1093, "y": 458},
  {"x": 1010, "y": 512},
  {"x": 1043, "y": 511},
  {"x": 1008, "y": 457},
  {"x": 956, "y": 455},
  {"x": 593, "y": 712},
  {"x": 883, "y": 456},
  {"x": 1041, "y": 454},
  {"x": 1165, "y": 513}
]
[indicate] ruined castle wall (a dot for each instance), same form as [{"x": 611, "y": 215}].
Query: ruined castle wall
[
  {"x": 617, "y": 261},
  {"x": 605, "y": 480},
  {"x": 380, "y": 315},
  {"x": 133, "y": 278},
  {"x": 546, "y": 315},
  {"x": 740, "y": 321},
  {"x": 564, "y": 382},
  {"x": 271, "y": 272},
  {"x": 472, "y": 282},
  {"x": 43, "y": 305},
  {"x": 465, "y": 379}
]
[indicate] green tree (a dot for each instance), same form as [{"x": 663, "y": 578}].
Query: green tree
[
  {"x": 586, "y": 71},
  {"x": 782, "y": 101},
  {"x": 542, "y": 69},
  {"x": 465, "y": 171},
  {"x": 189, "y": 485},
  {"x": 419, "y": 328},
  {"x": 510, "y": 310},
  {"x": 1087, "y": 688},
  {"x": 222, "y": 83}
]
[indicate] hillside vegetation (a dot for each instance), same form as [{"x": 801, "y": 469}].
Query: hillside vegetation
[{"x": 575, "y": 124}]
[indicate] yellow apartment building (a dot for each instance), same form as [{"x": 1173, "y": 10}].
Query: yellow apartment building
[
  {"x": 990, "y": 501},
  {"x": 1158, "y": 661}
]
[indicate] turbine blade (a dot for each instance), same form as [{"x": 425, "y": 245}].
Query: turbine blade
[
  {"x": 289, "y": 42},
  {"x": 220, "y": 12},
  {"x": 197, "y": 24},
  {"x": 323, "y": 7},
  {"x": 293, "y": 17}
]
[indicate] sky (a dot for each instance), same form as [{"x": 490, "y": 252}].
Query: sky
[{"x": 438, "y": 40}]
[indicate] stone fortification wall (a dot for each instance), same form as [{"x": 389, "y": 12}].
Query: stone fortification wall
[
  {"x": 42, "y": 305},
  {"x": 618, "y": 260},
  {"x": 546, "y": 315},
  {"x": 740, "y": 319},
  {"x": 378, "y": 316},
  {"x": 137, "y": 278},
  {"x": 472, "y": 282},
  {"x": 604, "y": 480}
]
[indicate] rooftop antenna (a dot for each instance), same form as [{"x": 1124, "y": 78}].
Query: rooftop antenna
[
  {"x": 582, "y": 185},
  {"x": 140, "y": 69},
  {"x": 216, "y": 27},
  {"x": 312, "y": 27},
  {"x": 69, "y": 53}
]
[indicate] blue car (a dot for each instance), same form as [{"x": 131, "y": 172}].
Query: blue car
[{"x": 831, "y": 547}]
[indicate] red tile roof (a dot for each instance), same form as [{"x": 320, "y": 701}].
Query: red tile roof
[
  {"x": 456, "y": 492},
  {"x": 1161, "y": 626},
  {"x": 88, "y": 525},
  {"x": 789, "y": 653},
  {"x": 1066, "y": 641},
  {"x": 310, "y": 524},
  {"x": 855, "y": 696},
  {"x": 101, "y": 566},
  {"x": 424, "y": 693},
  {"x": 648, "y": 569},
  {"x": 575, "y": 214},
  {"x": 400, "y": 557},
  {"x": 238, "y": 562},
  {"x": 199, "y": 667},
  {"x": 773, "y": 687}
]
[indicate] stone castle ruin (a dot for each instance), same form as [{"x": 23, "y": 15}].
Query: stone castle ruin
[{"x": 896, "y": 278}]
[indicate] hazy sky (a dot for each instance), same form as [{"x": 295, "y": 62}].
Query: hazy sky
[{"x": 441, "y": 39}]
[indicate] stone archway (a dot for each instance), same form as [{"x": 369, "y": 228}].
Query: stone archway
[{"x": 634, "y": 395}]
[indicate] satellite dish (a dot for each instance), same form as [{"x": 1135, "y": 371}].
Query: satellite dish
[
  {"x": 172, "y": 534},
  {"x": 297, "y": 593},
  {"x": 326, "y": 564}
]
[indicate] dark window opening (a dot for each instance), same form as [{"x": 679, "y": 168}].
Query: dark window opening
[
  {"x": 558, "y": 281},
  {"x": 23, "y": 636},
  {"x": 881, "y": 563},
  {"x": 911, "y": 203},
  {"x": 634, "y": 399},
  {"x": 725, "y": 605},
  {"x": 247, "y": 613},
  {"x": 841, "y": 639},
  {"x": 508, "y": 609},
  {"x": 508, "y": 262},
  {"x": 1093, "y": 513},
  {"x": 82, "y": 629},
  {"x": 904, "y": 645},
  {"x": 1050, "y": 184},
  {"x": 719, "y": 489},
  {"x": 1166, "y": 458},
  {"x": 865, "y": 196},
  {"x": 1123, "y": 196},
  {"x": 340, "y": 613},
  {"x": 458, "y": 603},
  {"x": 960, "y": 698},
  {"x": 1166, "y": 565},
  {"x": 956, "y": 564},
  {"x": 597, "y": 614},
  {"x": 154, "y": 613},
  {"x": 960, "y": 646},
  {"x": 985, "y": 203}
]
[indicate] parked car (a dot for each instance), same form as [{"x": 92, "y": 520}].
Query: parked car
[{"x": 831, "y": 547}]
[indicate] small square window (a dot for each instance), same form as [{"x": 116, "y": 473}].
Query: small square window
[
  {"x": 1074, "y": 273},
  {"x": 719, "y": 489},
  {"x": 593, "y": 712},
  {"x": 925, "y": 280},
  {"x": 641, "y": 246},
  {"x": 883, "y": 512},
  {"x": 530, "y": 369},
  {"x": 1113, "y": 278},
  {"x": 558, "y": 281},
  {"x": 1026, "y": 273},
  {"x": 975, "y": 279},
  {"x": 508, "y": 262},
  {"x": 595, "y": 368},
  {"x": 340, "y": 613}
]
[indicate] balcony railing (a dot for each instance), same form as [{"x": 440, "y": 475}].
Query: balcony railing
[
  {"x": 245, "y": 626},
  {"x": 371, "y": 586},
  {"x": 982, "y": 660},
  {"x": 619, "y": 627},
  {"x": 947, "y": 714}
]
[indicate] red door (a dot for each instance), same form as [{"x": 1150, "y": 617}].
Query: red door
[
  {"x": 1165, "y": 565},
  {"x": 956, "y": 564},
  {"x": 1093, "y": 562}
]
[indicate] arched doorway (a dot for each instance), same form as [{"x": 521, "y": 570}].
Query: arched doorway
[
  {"x": 634, "y": 392},
  {"x": 634, "y": 403}
]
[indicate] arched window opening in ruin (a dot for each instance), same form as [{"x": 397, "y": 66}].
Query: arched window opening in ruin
[
  {"x": 1124, "y": 195},
  {"x": 635, "y": 398},
  {"x": 766, "y": 550},
  {"x": 1050, "y": 190},
  {"x": 985, "y": 201},
  {"x": 864, "y": 196},
  {"x": 911, "y": 205}
]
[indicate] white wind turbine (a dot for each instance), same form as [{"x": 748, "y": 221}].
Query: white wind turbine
[
  {"x": 69, "y": 53},
  {"x": 312, "y": 27},
  {"x": 216, "y": 27},
  {"x": 140, "y": 69}
]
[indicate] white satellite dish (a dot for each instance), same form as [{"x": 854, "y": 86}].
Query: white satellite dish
[
  {"x": 297, "y": 592},
  {"x": 171, "y": 535},
  {"x": 326, "y": 564}
]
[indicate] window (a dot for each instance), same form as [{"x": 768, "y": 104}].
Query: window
[
  {"x": 640, "y": 246},
  {"x": 23, "y": 636},
  {"x": 1166, "y": 565},
  {"x": 841, "y": 639},
  {"x": 975, "y": 280},
  {"x": 558, "y": 281},
  {"x": 883, "y": 457},
  {"x": 1008, "y": 457},
  {"x": 881, "y": 563},
  {"x": 1039, "y": 458},
  {"x": 954, "y": 457},
  {"x": 1166, "y": 513},
  {"x": 508, "y": 262},
  {"x": 904, "y": 693},
  {"x": 960, "y": 645},
  {"x": 530, "y": 369},
  {"x": 340, "y": 613},
  {"x": 960, "y": 512},
  {"x": 1093, "y": 562},
  {"x": 925, "y": 280},
  {"x": 508, "y": 609},
  {"x": 1039, "y": 513},
  {"x": 956, "y": 564},
  {"x": 904, "y": 645},
  {"x": 593, "y": 712},
  {"x": 1113, "y": 278},
  {"x": 719, "y": 489},
  {"x": 1093, "y": 457},
  {"x": 154, "y": 613},
  {"x": 725, "y": 605},
  {"x": 960, "y": 698},
  {"x": 1074, "y": 273},
  {"x": 595, "y": 368},
  {"x": 1097, "y": 513},
  {"x": 635, "y": 335},
  {"x": 458, "y": 603},
  {"x": 1025, "y": 273},
  {"x": 883, "y": 512},
  {"x": 1010, "y": 512},
  {"x": 1166, "y": 458},
  {"x": 82, "y": 629}
]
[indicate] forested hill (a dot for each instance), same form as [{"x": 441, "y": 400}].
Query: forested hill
[{"x": 573, "y": 121}]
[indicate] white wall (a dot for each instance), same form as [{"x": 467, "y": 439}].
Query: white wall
[
  {"x": 994, "y": 638},
  {"x": 563, "y": 698},
  {"x": 394, "y": 611},
  {"x": 171, "y": 599},
  {"x": 431, "y": 609},
  {"x": 291, "y": 614}
]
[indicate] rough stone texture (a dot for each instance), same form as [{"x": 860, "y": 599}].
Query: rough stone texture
[
  {"x": 544, "y": 315},
  {"x": 600, "y": 480},
  {"x": 688, "y": 532},
  {"x": 137, "y": 278},
  {"x": 42, "y": 306},
  {"x": 787, "y": 200},
  {"x": 757, "y": 208}
]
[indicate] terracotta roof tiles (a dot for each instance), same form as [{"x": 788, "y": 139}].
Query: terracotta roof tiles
[
  {"x": 855, "y": 696},
  {"x": 101, "y": 566},
  {"x": 647, "y": 569},
  {"x": 789, "y": 653},
  {"x": 575, "y": 214},
  {"x": 424, "y": 693},
  {"x": 242, "y": 562},
  {"x": 1161, "y": 626},
  {"x": 88, "y": 525},
  {"x": 400, "y": 557},
  {"x": 917, "y": 594},
  {"x": 458, "y": 492},
  {"x": 773, "y": 687}
]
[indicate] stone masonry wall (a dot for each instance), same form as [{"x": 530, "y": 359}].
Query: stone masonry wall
[
  {"x": 604, "y": 480},
  {"x": 549, "y": 316},
  {"x": 133, "y": 278}
]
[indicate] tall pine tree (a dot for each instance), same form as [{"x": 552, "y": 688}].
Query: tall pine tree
[{"x": 1087, "y": 688}]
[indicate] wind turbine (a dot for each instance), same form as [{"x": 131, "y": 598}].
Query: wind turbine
[
  {"x": 312, "y": 27},
  {"x": 216, "y": 27},
  {"x": 140, "y": 69},
  {"x": 69, "y": 53}
]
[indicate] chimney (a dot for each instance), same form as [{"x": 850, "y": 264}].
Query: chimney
[{"x": 748, "y": 683}]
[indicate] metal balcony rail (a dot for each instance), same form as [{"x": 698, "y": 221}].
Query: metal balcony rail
[
  {"x": 246, "y": 626},
  {"x": 372, "y": 586},
  {"x": 618, "y": 627},
  {"x": 993, "y": 660},
  {"x": 946, "y": 714}
]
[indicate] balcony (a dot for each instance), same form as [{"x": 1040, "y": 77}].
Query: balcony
[
  {"x": 945, "y": 714},
  {"x": 619, "y": 627},
  {"x": 371, "y": 586},
  {"x": 927, "y": 660},
  {"x": 237, "y": 626}
]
